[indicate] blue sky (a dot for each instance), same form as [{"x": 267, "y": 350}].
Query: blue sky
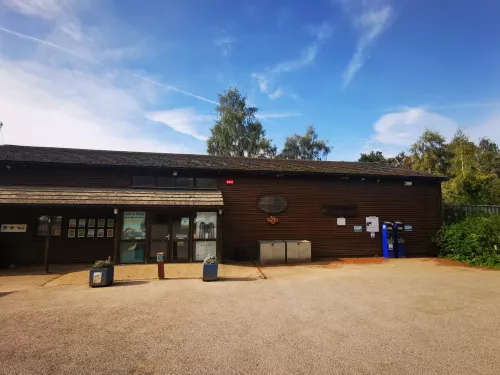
[{"x": 144, "y": 75}]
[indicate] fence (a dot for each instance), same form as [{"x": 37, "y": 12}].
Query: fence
[{"x": 456, "y": 212}]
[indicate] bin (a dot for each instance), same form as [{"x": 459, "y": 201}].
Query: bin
[{"x": 271, "y": 252}]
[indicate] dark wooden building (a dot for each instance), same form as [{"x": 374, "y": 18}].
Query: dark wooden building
[{"x": 130, "y": 205}]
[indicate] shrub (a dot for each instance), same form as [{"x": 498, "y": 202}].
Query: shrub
[
  {"x": 473, "y": 240},
  {"x": 102, "y": 264},
  {"x": 211, "y": 259}
]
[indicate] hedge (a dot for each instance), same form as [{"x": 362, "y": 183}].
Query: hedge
[{"x": 474, "y": 240}]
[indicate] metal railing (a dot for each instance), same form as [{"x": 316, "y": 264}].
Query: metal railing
[{"x": 453, "y": 212}]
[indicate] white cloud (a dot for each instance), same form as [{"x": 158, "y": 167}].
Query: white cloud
[
  {"x": 370, "y": 23},
  {"x": 53, "y": 106},
  {"x": 225, "y": 44},
  {"x": 276, "y": 94},
  {"x": 184, "y": 120},
  {"x": 57, "y": 91},
  {"x": 397, "y": 131},
  {"x": 104, "y": 54},
  {"x": 489, "y": 128},
  {"x": 403, "y": 128},
  {"x": 322, "y": 31},
  {"x": 40, "y": 8},
  {"x": 264, "y": 83},
  {"x": 307, "y": 56}
]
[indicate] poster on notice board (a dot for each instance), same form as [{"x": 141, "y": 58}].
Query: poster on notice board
[
  {"x": 204, "y": 249},
  {"x": 134, "y": 225},
  {"x": 372, "y": 225}
]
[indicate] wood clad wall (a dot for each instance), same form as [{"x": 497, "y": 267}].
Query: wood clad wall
[
  {"x": 244, "y": 223},
  {"x": 28, "y": 248}
]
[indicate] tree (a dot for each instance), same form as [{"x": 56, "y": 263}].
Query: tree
[
  {"x": 401, "y": 160},
  {"x": 430, "y": 153},
  {"x": 463, "y": 155},
  {"x": 237, "y": 132},
  {"x": 470, "y": 182},
  {"x": 489, "y": 156},
  {"x": 305, "y": 147},
  {"x": 373, "y": 157}
]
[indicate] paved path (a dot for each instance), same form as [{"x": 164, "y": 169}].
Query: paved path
[
  {"x": 30, "y": 277},
  {"x": 400, "y": 317}
]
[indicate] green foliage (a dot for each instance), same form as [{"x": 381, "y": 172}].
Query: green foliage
[
  {"x": 373, "y": 157},
  {"x": 305, "y": 147},
  {"x": 430, "y": 154},
  {"x": 237, "y": 132},
  {"x": 472, "y": 172},
  {"x": 401, "y": 160},
  {"x": 211, "y": 259},
  {"x": 102, "y": 264},
  {"x": 473, "y": 240},
  {"x": 489, "y": 156}
]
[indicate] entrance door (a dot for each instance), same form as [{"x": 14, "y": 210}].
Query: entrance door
[
  {"x": 170, "y": 236},
  {"x": 180, "y": 238},
  {"x": 160, "y": 236}
]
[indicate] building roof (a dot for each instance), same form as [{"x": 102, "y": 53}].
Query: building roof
[
  {"x": 111, "y": 197},
  {"x": 52, "y": 155}
]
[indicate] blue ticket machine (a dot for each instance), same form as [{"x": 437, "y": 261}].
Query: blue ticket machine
[
  {"x": 388, "y": 248},
  {"x": 399, "y": 239}
]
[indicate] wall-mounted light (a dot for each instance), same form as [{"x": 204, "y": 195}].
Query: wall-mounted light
[
  {"x": 174, "y": 174},
  {"x": 408, "y": 183},
  {"x": 115, "y": 211}
]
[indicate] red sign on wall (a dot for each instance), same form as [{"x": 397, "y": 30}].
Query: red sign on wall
[{"x": 229, "y": 182}]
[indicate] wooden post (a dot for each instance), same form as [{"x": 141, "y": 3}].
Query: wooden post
[
  {"x": 118, "y": 234},
  {"x": 47, "y": 244}
]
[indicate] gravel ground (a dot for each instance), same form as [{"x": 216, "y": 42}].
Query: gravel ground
[{"x": 403, "y": 317}]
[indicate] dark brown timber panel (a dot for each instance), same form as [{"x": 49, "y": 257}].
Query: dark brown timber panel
[
  {"x": 415, "y": 205},
  {"x": 28, "y": 248},
  {"x": 243, "y": 222}
]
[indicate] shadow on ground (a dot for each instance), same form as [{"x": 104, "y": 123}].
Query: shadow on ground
[{"x": 132, "y": 282}]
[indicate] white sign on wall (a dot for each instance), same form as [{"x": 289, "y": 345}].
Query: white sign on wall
[
  {"x": 13, "y": 228},
  {"x": 341, "y": 221},
  {"x": 372, "y": 225},
  {"x": 204, "y": 249}
]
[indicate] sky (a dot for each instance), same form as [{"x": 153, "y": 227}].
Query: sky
[{"x": 145, "y": 75}]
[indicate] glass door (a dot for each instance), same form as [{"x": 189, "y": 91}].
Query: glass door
[
  {"x": 180, "y": 238},
  {"x": 160, "y": 236},
  {"x": 133, "y": 236}
]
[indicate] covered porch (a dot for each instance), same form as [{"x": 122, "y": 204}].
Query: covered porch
[{"x": 41, "y": 225}]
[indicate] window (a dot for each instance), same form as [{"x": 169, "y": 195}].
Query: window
[
  {"x": 144, "y": 181},
  {"x": 184, "y": 183},
  {"x": 272, "y": 204},
  {"x": 42, "y": 228},
  {"x": 133, "y": 237},
  {"x": 206, "y": 183},
  {"x": 165, "y": 182},
  {"x": 55, "y": 228},
  {"x": 205, "y": 234}
]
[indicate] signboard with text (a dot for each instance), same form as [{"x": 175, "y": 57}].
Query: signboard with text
[{"x": 13, "y": 228}]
